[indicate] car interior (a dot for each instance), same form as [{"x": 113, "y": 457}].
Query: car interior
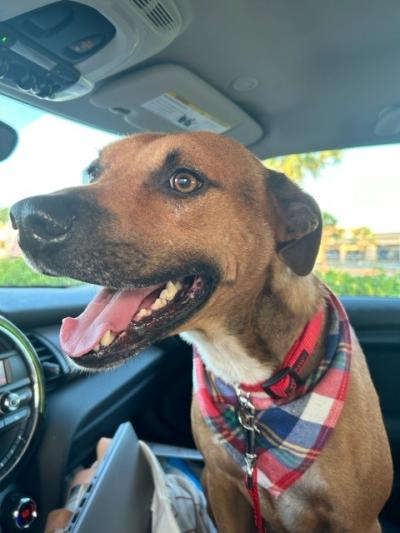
[{"x": 279, "y": 76}]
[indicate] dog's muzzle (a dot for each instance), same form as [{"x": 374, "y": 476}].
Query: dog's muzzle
[{"x": 43, "y": 221}]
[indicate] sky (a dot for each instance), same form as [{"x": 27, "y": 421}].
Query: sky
[
  {"x": 362, "y": 190},
  {"x": 51, "y": 153}
]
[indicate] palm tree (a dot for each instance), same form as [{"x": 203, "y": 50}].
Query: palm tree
[
  {"x": 332, "y": 236},
  {"x": 364, "y": 238},
  {"x": 297, "y": 166}
]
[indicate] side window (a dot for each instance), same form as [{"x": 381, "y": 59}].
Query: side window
[
  {"x": 51, "y": 154},
  {"x": 358, "y": 191}
]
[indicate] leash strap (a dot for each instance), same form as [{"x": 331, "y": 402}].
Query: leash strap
[
  {"x": 246, "y": 416},
  {"x": 252, "y": 486},
  {"x": 281, "y": 385}
]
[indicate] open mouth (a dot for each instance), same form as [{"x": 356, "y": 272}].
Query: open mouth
[{"x": 118, "y": 323}]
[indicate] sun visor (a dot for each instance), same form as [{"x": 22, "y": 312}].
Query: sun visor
[{"x": 171, "y": 98}]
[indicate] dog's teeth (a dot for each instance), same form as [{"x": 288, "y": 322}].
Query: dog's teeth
[
  {"x": 178, "y": 286},
  {"x": 166, "y": 296},
  {"x": 143, "y": 313},
  {"x": 170, "y": 290},
  {"x": 96, "y": 348},
  {"x": 158, "y": 304},
  {"x": 107, "y": 338}
]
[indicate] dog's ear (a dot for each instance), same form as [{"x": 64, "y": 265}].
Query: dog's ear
[{"x": 298, "y": 223}]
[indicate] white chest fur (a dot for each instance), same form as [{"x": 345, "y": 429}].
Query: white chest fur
[{"x": 225, "y": 358}]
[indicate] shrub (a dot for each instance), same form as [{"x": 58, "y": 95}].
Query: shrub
[
  {"x": 346, "y": 284},
  {"x": 14, "y": 272}
]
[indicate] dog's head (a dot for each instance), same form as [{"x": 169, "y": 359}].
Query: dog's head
[{"x": 180, "y": 229}]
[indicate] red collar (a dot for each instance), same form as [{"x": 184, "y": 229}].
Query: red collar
[{"x": 284, "y": 382}]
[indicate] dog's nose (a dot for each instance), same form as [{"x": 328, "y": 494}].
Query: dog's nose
[{"x": 42, "y": 219}]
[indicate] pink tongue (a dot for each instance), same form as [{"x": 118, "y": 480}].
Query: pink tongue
[{"x": 108, "y": 310}]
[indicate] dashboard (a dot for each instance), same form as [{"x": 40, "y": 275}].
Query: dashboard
[
  {"x": 22, "y": 396},
  {"x": 22, "y": 401}
]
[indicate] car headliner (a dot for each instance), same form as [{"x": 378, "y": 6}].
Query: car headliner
[{"x": 325, "y": 69}]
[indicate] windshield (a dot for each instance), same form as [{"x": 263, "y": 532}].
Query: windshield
[
  {"x": 357, "y": 189},
  {"x": 51, "y": 154}
]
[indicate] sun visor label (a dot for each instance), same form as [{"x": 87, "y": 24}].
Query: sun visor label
[{"x": 184, "y": 114}]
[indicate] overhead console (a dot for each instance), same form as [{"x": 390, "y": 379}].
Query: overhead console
[{"x": 60, "y": 49}]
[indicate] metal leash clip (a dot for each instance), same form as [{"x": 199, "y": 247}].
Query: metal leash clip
[{"x": 246, "y": 415}]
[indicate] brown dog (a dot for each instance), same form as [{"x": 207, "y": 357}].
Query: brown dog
[{"x": 238, "y": 243}]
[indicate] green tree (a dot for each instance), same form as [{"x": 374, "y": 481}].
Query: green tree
[
  {"x": 3, "y": 216},
  {"x": 331, "y": 237},
  {"x": 365, "y": 240},
  {"x": 329, "y": 220},
  {"x": 297, "y": 166},
  {"x": 363, "y": 236},
  {"x": 331, "y": 228}
]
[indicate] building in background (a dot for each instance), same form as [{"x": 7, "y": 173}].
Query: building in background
[{"x": 359, "y": 249}]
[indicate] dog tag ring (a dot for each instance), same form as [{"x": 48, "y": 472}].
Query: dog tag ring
[
  {"x": 246, "y": 411},
  {"x": 246, "y": 417}
]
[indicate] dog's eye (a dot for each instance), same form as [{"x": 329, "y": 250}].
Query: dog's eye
[{"x": 185, "y": 183}]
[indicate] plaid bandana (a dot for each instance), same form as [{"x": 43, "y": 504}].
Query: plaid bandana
[{"x": 290, "y": 433}]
